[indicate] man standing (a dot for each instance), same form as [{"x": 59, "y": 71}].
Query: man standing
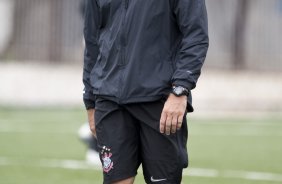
[{"x": 142, "y": 59}]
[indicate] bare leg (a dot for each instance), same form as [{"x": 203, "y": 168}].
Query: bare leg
[{"x": 126, "y": 181}]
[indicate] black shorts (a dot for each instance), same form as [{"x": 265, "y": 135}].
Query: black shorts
[{"x": 129, "y": 135}]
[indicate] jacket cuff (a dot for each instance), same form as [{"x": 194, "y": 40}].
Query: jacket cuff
[
  {"x": 89, "y": 100},
  {"x": 89, "y": 104}
]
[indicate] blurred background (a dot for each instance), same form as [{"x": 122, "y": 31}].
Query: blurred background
[{"x": 235, "y": 131}]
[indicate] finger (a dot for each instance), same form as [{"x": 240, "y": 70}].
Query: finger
[
  {"x": 168, "y": 124},
  {"x": 174, "y": 124},
  {"x": 93, "y": 128},
  {"x": 94, "y": 134},
  {"x": 92, "y": 125},
  {"x": 162, "y": 122},
  {"x": 179, "y": 122}
]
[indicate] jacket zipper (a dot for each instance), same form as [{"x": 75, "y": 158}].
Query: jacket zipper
[
  {"x": 123, "y": 35},
  {"x": 123, "y": 47},
  {"x": 126, "y": 4}
]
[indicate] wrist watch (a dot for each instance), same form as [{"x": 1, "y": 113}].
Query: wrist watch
[{"x": 180, "y": 91}]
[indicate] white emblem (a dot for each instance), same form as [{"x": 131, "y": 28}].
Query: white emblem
[
  {"x": 157, "y": 180},
  {"x": 107, "y": 162}
]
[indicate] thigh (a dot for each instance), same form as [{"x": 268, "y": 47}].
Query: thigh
[
  {"x": 118, "y": 141},
  {"x": 163, "y": 157}
]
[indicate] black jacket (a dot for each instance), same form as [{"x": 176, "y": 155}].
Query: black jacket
[{"x": 137, "y": 49}]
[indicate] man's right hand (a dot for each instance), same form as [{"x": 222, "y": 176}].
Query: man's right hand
[{"x": 91, "y": 121}]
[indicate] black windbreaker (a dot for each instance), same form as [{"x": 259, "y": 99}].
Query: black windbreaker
[{"x": 137, "y": 49}]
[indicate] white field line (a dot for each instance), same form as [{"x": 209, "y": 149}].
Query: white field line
[
  {"x": 247, "y": 175},
  {"x": 239, "y": 123},
  {"x": 48, "y": 163},
  {"x": 193, "y": 172},
  {"x": 11, "y": 130},
  {"x": 219, "y": 122},
  {"x": 245, "y": 134},
  {"x": 34, "y": 130}
]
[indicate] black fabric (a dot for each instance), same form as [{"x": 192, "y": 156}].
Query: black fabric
[
  {"x": 136, "y": 49},
  {"x": 130, "y": 134},
  {"x": 89, "y": 104}
]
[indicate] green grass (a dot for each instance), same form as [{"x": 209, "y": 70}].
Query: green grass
[{"x": 222, "y": 145}]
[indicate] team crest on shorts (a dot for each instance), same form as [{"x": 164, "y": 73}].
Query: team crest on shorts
[{"x": 107, "y": 161}]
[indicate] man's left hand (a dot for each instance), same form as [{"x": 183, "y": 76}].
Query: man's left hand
[{"x": 172, "y": 114}]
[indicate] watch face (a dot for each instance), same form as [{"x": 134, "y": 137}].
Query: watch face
[{"x": 178, "y": 90}]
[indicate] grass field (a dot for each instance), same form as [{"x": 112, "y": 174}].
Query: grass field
[{"x": 42, "y": 147}]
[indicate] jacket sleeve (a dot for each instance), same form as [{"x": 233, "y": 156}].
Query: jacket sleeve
[
  {"x": 91, "y": 34},
  {"x": 192, "y": 21}
]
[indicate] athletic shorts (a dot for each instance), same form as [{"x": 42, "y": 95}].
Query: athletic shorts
[{"x": 128, "y": 135}]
